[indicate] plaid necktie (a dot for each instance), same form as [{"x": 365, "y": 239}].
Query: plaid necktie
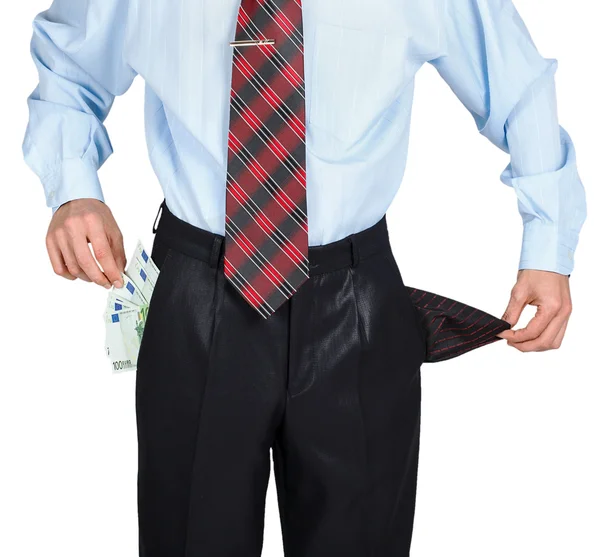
[{"x": 266, "y": 228}]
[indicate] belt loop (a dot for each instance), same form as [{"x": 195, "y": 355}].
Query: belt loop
[
  {"x": 354, "y": 250},
  {"x": 158, "y": 215},
  {"x": 215, "y": 253}
]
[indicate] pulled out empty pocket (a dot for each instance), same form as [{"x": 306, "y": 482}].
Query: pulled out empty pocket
[{"x": 452, "y": 328}]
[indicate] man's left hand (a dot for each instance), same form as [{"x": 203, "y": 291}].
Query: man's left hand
[{"x": 551, "y": 294}]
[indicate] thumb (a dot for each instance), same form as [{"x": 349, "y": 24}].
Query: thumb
[
  {"x": 512, "y": 314},
  {"x": 516, "y": 304}
]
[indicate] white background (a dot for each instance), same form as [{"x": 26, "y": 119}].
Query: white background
[{"x": 510, "y": 442}]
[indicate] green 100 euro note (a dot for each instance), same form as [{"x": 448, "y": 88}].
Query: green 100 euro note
[
  {"x": 127, "y": 310},
  {"x": 124, "y": 331}
]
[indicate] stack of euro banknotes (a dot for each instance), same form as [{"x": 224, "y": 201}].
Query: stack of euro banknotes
[{"x": 127, "y": 310}]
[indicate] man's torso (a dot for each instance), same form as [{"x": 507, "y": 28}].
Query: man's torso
[{"x": 360, "y": 61}]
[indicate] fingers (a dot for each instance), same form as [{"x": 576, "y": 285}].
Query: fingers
[
  {"x": 56, "y": 259},
  {"x": 74, "y": 226},
  {"x": 554, "y": 343},
  {"x": 506, "y": 335},
  {"x": 546, "y": 340},
  {"x": 560, "y": 336},
  {"x": 518, "y": 301},
  {"x": 550, "y": 293},
  {"x": 68, "y": 255},
  {"x": 116, "y": 243},
  {"x": 104, "y": 255},
  {"x": 536, "y": 326},
  {"x": 87, "y": 262}
]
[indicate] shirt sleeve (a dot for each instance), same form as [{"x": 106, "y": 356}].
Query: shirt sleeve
[
  {"x": 491, "y": 63},
  {"x": 78, "y": 50}
]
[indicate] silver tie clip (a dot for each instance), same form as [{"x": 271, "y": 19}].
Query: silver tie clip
[{"x": 252, "y": 43}]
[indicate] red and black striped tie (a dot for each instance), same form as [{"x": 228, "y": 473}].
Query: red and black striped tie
[{"x": 266, "y": 228}]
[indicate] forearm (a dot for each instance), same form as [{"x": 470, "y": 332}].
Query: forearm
[
  {"x": 79, "y": 61},
  {"x": 492, "y": 64},
  {"x": 543, "y": 173}
]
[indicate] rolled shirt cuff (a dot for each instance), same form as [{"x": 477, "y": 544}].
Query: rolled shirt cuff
[
  {"x": 553, "y": 208},
  {"x": 71, "y": 179},
  {"x": 544, "y": 249}
]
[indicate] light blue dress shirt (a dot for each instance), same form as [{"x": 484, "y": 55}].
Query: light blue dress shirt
[{"x": 361, "y": 57}]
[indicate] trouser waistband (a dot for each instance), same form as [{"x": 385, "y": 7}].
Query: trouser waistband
[{"x": 209, "y": 247}]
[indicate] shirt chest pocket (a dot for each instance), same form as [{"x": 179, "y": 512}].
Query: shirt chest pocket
[{"x": 356, "y": 75}]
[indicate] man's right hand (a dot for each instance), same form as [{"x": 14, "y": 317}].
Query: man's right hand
[{"x": 77, "y": 224}]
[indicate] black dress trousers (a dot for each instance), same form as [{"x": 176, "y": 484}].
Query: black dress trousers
[{"x": 330, "y": 383}]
